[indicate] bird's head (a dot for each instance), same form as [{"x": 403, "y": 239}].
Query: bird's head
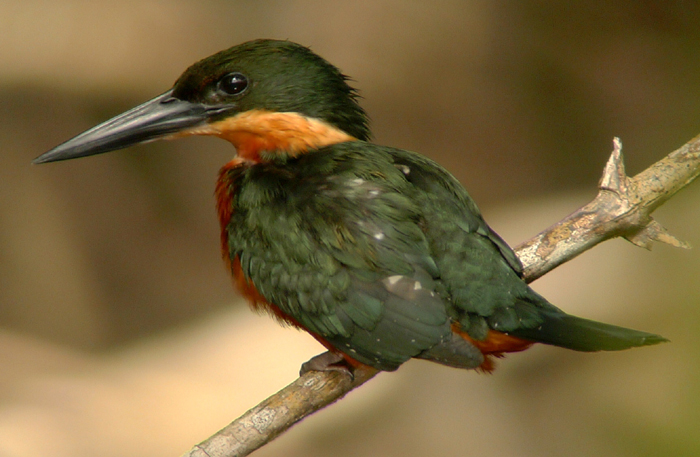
[{"x": 264, "y": 96}]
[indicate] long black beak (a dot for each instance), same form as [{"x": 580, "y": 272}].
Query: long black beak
[{"x": 157, "y": 118}]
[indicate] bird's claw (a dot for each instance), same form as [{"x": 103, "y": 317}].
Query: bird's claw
[{"x": 328, "y": 361}]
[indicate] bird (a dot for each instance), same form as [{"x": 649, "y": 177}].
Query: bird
[{"x": 379, "y": 253}]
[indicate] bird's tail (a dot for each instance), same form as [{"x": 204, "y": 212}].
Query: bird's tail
[{"x": 571, "y": 332}]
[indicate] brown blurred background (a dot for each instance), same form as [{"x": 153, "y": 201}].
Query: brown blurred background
[{"x": 119, "y": 330}]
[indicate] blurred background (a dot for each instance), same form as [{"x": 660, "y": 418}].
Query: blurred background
[{"x": 119, "y": 330}]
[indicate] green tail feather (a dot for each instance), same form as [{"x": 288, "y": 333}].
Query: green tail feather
[{"x": 580, "y": 334}]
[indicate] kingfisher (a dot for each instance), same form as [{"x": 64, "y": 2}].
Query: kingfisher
[{"x": 379, "y": 253}]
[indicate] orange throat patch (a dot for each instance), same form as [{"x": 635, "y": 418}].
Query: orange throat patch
[{"x": 252, "y": 132}]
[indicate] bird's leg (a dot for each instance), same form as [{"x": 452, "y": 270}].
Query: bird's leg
[{"x": 328, "y": 361}]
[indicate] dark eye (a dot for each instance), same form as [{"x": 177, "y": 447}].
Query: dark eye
[{"x": 233, "y": 83}]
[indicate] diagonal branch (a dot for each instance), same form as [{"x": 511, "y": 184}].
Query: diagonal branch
[{"x": 622, "y": 207}]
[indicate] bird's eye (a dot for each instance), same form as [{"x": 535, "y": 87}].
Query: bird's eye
[{"x": 233, "y": 83}]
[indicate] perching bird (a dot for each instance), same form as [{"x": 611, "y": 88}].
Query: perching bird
[{"x": 379, "y": 253}]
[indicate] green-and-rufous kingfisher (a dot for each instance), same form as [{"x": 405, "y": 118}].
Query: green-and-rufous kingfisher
[{"x": 379, "y": 253}]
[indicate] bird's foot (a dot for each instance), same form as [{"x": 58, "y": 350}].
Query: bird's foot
[{"x": 328, "y": 361}]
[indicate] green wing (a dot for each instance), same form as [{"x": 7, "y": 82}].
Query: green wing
[
  {"x": 481, "y": 276},
  {"x": 479, "y": 272}
]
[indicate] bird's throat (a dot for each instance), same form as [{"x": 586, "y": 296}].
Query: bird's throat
[{"x": 259, "y": 131}]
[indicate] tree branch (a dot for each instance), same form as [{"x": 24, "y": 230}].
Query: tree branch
[{"x": 622, "y": 207}]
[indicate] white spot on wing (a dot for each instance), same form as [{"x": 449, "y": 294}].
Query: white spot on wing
[
  {"x": 404, "y": 169},
  {"x": 379, "y": 236},
  {"x": 392, "y": 280},
  {"x": 417, "y": 286}
]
